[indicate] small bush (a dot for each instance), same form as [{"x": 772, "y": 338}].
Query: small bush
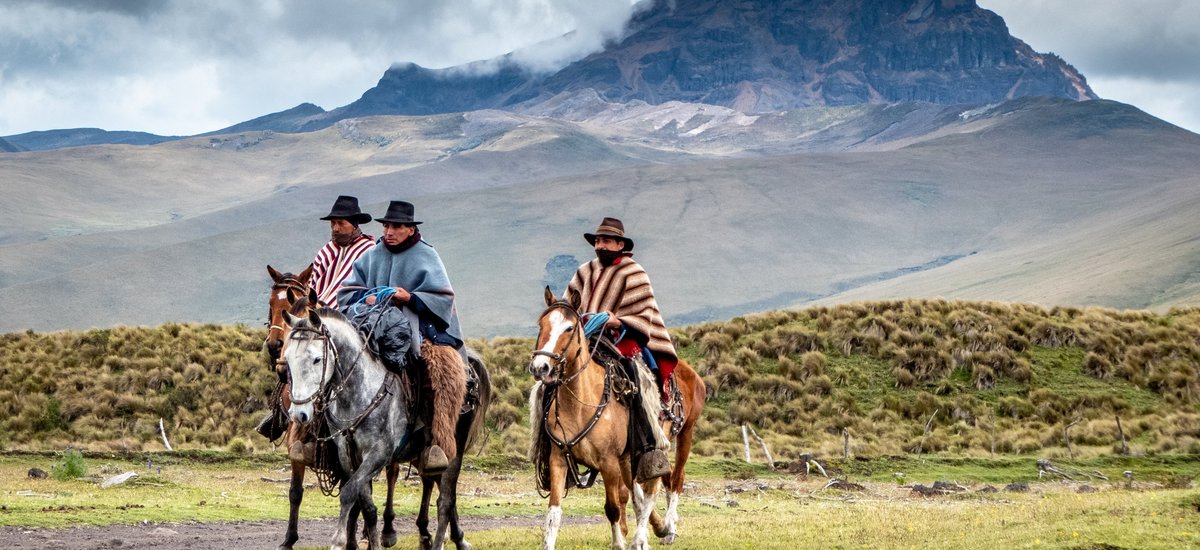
[
  {"x": 71, "y": 466},
  {"x": 239, "y": 446}
]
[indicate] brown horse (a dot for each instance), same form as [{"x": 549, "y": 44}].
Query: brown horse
[
  {"x": 588, "y": 426},
  {"x": 288, "y": 289}
]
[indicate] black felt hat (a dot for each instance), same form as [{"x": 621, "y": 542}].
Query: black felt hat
[
  {"x": 399, "y": 212},
  {"x": 610, "y": 227},
  {"x": 346, "y": 207}
]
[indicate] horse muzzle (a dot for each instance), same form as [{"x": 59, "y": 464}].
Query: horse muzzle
[{"x": 301, "y": 414}]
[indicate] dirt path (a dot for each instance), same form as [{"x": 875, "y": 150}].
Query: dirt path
[{"x": 213, "y": 536}]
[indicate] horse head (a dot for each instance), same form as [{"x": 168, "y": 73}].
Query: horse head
[
  {"x": 560, "y": 338},
  {"x": 285, "y": 290},
  {"x": 311, "y": 358}
]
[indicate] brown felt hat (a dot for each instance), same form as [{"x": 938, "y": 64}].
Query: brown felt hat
[{"x": 610, "y": 227}]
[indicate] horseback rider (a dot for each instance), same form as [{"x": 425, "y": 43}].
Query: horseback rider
[
  {"x": 414, "y": 271},
  {"x": 329, "y": 268},
  {"x": 615, "y": 285},
  {"x": 348, "y": 243}
]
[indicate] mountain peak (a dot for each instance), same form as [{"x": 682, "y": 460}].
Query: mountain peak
[{"x": 761, "y": 56}]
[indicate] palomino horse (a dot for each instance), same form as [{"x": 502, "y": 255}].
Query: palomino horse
[
  {"x": 364, "y": 408},
  {"x": 586, "y": 431},
  {"x": 290, "y": 290}
]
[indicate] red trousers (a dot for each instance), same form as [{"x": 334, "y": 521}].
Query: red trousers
[{"x": 666, "y": 363}]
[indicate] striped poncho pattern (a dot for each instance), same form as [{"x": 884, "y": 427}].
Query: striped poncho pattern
[
  {"x": 624, "y": 289},
  {"x": 333, "y": 264}
]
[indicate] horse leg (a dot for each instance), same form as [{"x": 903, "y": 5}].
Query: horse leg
[
  {"x": 558, "y": 488},
  {"x": 295, "y": 495},
  {"x": 615, "y": 496},
  {"x": 674, "y": 485},
  {"x": 423, "y": 513},
  {"x": 389, "y": 514},
  {"x": 448, "y": 490},
  {"x": 643, "y": 506}
]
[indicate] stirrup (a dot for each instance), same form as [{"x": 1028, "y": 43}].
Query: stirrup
[
  {"x": 653, "y": 464},
  {"x": 433, "y": 461}
]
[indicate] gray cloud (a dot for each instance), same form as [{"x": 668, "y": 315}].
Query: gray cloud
[
  {"x": 188, "y": 67},
  {"x": 1144, "y": 53}
]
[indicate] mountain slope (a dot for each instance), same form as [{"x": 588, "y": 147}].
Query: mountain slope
[{"x": 723, "y": 233}]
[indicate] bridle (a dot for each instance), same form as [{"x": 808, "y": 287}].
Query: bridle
[
  {"x": 566, "y": 445},
  {"x": 330, "y": 351},
  {"x": 559, "y": 360}
]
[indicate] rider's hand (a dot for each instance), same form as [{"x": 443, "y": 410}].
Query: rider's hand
[
  {"x": 401, "y": 296},
  {"x": 612, "y": 323},
  {"x": 369, "y": 300}
]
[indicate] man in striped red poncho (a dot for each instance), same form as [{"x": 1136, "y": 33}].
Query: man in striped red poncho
[
  {"x": 347, "y": 243},
  {"x": 616, "y": 285},
  {"x": 331, "y": 266}
]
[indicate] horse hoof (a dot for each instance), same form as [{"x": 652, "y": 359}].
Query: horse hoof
[
  {"x": 669, "y": 538},
  {"x": 389, "y": 539},
  {"x": 463, "y": 545}
]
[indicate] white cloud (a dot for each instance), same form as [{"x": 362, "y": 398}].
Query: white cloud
[
  {"x": 1144, "y": 53},
  {"x": 185, "y": 68}
]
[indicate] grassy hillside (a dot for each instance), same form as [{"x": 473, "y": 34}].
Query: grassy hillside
[
  {"x": 981, "y": 375},
  {"x": 1029, "y": 201}
]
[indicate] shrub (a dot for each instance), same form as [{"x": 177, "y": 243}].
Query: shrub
[
  {"x": 239, "y": 446},
  {"x": 812, "y": 364},
  {"x": 71, "y": 466}
]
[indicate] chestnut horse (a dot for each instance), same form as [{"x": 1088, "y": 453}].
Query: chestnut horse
[
  {"x": 589, "y": 426},
  {"x": 289, "y": 291}
]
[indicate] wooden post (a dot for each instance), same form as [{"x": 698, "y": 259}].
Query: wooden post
[
  {"x": 163, "y": 431},
  {"x": 746, "y": 442},
  {"x": 993, "y": 433},
  {"x": 845, "y": 443},
  {"x": 1124, "y": 447},
  {"x": 928, "y": 425},
  {"x": 766, "y": 451},
  {"x": 1067, "y": 438}
]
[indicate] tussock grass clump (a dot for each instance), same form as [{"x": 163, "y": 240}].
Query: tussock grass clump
[{"x": 979, "y": 374}]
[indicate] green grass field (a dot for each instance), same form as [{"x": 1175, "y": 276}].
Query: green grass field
[{"x": 727, "y": 504}]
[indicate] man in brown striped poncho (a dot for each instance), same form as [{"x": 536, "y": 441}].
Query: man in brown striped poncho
[
  {"x": 616, "y": 285},
  {"x": 330, "y": 267},
  {"x": 346, "y": 244}
]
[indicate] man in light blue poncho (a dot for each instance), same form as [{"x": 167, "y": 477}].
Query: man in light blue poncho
[{"x": 414, "y": 271}]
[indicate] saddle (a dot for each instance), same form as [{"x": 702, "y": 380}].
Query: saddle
[{"x": 605, "y": 352}]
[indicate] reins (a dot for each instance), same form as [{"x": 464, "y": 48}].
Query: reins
[{"x": 585, "y": 479}]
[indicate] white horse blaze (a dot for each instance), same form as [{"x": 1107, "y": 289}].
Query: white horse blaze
[
  {"x": 558, "y": 326},
  {"x": 282, "y": 295},
  {"x": 553, "y": 522}
]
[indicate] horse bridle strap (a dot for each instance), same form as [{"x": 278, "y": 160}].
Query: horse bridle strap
[{"x": 330, "y": 350}]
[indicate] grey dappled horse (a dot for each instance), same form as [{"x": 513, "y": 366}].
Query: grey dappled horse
[{"x": 364, "y": 405}]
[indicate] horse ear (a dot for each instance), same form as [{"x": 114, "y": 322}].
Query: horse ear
[
  {"x": 550, "y": 299},
  {"x": 313, "y": 298},
  {"x": 314, "y": 319},
  {"x": 293, "y": 295},
  {"x": 275, "y": 275},
  {"x": 290, "y": 319},
  {"x": 573, "y": 298},
  {"x": 304, "y": 275}
]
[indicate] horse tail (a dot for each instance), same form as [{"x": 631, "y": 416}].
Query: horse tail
[{"x": 485, "y": 398}]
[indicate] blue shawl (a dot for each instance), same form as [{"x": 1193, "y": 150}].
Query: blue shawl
[{"x": 418, "y": 270}]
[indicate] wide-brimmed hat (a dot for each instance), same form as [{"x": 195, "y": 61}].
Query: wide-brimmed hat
[
  {"x": 399, "y": 212},
  {"x": 346, "y": 207},
  {"x": 610, "y": 227}
]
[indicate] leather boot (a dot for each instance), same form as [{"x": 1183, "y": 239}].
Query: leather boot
[
  {"x": 653, "y": 464},
  {"x": 433, "y": 461},
  {"x": 272, "y": 426}
]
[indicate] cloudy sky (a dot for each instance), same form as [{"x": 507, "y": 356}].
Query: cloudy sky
[{"x": 191, "y": 66}]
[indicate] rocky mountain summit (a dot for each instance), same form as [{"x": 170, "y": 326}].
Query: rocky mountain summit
[{"x": 758, "y": 56}]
